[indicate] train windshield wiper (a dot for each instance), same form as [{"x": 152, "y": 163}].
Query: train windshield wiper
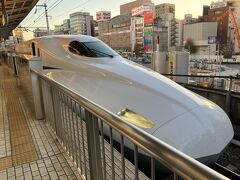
[{"x": 109, "y": 55}]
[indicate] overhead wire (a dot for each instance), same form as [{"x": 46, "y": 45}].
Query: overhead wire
[
  {"x": 82, "y": 4},
  {"x": 52, "y": 6}
]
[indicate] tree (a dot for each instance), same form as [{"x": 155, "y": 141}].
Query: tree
[
  {"x": 137, "y": 49},
  {"x": 189, "y": 45}
]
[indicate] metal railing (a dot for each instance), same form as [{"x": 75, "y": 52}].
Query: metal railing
[
  {"x": 98, "y": 140},
  {"x": 225, "y": 93},
  {"x": 228, "y": 83}
]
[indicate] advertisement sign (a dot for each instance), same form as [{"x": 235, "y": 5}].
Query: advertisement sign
[
  {"x": 103, "y": 15},
  {"x": 139, "y": 21},
  {"x": 148, "y": 44},
  {"x": 140, "y": 10},
  {"x": 218, "y": 5},
  {"x": 212, "y": 39},
  {"x": 148, "y": 31},
  {"x": 148, "y": 18}
]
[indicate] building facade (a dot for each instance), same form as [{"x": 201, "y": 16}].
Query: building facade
[
  {"x": 199, "y": 33},
  {"x": 164, "y": 8},
  {"x": 40, "y": 32},
  {"x": 66, "y": 26},
  {"x": 216, "y": 13},
  {"x": 116, "y": 32},
  {"x": 58, "y": 29},
  {"x": 126, "y": 9},
  {"x": 80, "y": 23}
]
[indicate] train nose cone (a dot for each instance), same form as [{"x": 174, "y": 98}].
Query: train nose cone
[{"x": 201, "y": 133}]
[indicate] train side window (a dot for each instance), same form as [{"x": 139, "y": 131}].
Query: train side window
[
  {"x": 33, "y": 49},
  {"x": 76, "y": 47}
]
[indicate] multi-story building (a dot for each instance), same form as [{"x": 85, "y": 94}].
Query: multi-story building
[
  {"x": 205, "y": 10},
  {"x": 188, "y": 19},
  {"x": 164, "y": 8},
  {"x": 94, "y": 25},
  {"x": 80, "y": 23},
  {"x": 116, "y": 32},
  {"x": 58, "y": 29},
  {"x": 126, "y": 9},
  {"x": 66, "y": 26},
  {"x": 224, "y": 31},
  {"x": 102, "y": 22},
  {"x": 174, "y": 27},
  {"x": 103, "y": 15},
  {"x": 40, "y": 32},
  {"x": 160, "y": 31},
  {"x": 200, "y": 33},
  {"x": 236, "y": 14}
]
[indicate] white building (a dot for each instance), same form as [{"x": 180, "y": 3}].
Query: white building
[
  {"x": 80, "y": 23},
  {"x": 199, "y": 34}
]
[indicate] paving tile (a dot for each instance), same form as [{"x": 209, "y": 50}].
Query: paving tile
[
  {"x": 53, "y": 175},
  {"x": 3, "y": 175},
  {"x": 64, "y": 177},
  {"x": 47, "y": 177},
  {"x": 37, "y": 178},
  {"x": 20, "y": 178},
  {"x": 35, "y": 173}
]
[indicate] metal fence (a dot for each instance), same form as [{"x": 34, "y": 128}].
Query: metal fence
[
  {"x": 99, "y": 141},
  {"x": 228, "y": 98},
  {"x": 228, "y": 83}
]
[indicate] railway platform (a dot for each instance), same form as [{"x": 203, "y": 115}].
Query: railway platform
[
  {"x": 65, "y": 145},
  {"x": 28, "y": 150}
]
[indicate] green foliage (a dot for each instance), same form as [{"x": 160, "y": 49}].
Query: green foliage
[
  {"x": 227, "y": 54},
  {"x": 137, "y": 49},
  {"x": 189, "y": 45}
]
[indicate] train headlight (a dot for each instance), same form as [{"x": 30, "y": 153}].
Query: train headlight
[
  {"x": 209, "y": 104},
  {"x": 136, "y": 119}
]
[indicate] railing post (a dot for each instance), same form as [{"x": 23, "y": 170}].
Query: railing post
[
  {"x": 37, "y": 96},
  {"x": 94, "y": 150},
  {"x": 228, "y": 98}
]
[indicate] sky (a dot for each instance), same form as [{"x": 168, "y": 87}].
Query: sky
[{"x": 61, "y": 11}]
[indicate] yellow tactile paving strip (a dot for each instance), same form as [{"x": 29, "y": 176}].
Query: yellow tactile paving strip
[
  {"x": 5, "y": 163},
  {"x": 22, "y": 146}
]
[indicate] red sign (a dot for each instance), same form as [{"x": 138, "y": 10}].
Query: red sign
[
  {"x": 103, "y": 15},
  {"x": 148, "y": 18}
]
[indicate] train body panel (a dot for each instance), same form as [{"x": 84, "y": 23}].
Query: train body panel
[{"x": 181, "y": 118}]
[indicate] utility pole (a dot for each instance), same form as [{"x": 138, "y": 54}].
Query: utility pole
[{"x": 46, "y": 14}]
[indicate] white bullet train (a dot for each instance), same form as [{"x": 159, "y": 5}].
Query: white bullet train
[{"x": 183, "y": 119}]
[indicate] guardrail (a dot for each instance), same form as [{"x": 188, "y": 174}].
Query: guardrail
[
  {"x": 228, "y": 83},
  {"x": 82, "y": 126}
]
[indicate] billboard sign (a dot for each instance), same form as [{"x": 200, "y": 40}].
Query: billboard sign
[
  {"x": 103, "y": 15},
  {"x": 148, "y": 43},
  {"x": 148, "y": 31},
  {"x": 218, "y": 5},
  {"x": 148, "y": 18},
  {"x": 212, "y": 39},
  {"x": 140, "y": 10}
]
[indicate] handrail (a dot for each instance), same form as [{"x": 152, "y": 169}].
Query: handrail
[
  {"x": 185, "y": 75},
  {"x": 175, "y": 160}
]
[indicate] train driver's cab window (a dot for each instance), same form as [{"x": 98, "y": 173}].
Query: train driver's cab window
[
  {"x": 77, "y": 48},
  {"x": 33, "y": 49},
  {"x": 91, "y": 49}
]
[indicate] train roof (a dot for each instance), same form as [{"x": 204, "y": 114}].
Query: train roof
[{"x": 80, "y": 38}]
